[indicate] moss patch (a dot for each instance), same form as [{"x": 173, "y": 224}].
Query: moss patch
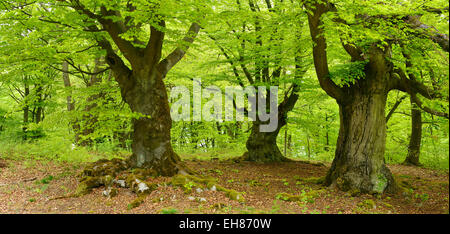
[
  {"x": 188, "y": 182},
  {"x": 368, "y": 204},
  {"x": 303, "y": 197},
  {"x": 312, "y": 180}
]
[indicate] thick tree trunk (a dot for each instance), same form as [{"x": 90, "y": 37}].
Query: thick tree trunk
[
  {"x": 359, "y": 162},
  {"x": 359, "y": 159},
  {"x": 416, "y": 136},
  {"x": 151, "y": 145},
  {"x": 262, "y": 146}
]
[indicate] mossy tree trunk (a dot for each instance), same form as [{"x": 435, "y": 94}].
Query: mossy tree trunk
[
  {"x": 359, "y": 157},
  {"x": 151, "y": 144}
]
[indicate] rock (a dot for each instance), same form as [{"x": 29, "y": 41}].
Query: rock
[
  {"x": 190, "y": 198},
  {"x": 201, "y": 199},
  {"x": 213, "y": 188},
  {"x": 121, "y": 183},
  {"x": 199, "y": 190},
  {"x": 110, "y": 192},
  {"x": 142, "y": 187}
]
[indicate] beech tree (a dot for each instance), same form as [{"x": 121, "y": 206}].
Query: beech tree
[
  {"x": 141, "y": 82},
  {"x": 372, "y": 37},
  {"x": 254, "y": 39},
  {"x": 132, "y": 38}
]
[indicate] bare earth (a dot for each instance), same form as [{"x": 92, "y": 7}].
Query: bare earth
[{"x": 28, "y": 186}]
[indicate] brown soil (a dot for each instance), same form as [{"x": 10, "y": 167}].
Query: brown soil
[{"x": 28, "y": 186}]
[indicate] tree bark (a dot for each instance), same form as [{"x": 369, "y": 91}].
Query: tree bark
[{"x": 416, "y": 136}]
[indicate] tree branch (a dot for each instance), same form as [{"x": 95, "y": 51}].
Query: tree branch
[
  {"x": 315, "y": 11},
  {"x": 397, "y": 103},
  {"x": 173, "y": 58}
]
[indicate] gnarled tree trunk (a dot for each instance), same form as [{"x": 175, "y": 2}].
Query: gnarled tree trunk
[
  {"x": 151, "y": 145},
  {"x": 262, "y": 146},
  {"x": 359, "y": 158}
]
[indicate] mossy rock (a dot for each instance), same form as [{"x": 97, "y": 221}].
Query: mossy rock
[
  {"x": 314, "y": 193},
  {"x": 87, "y": 184},
  {"x": 219, "y": 206},
  {"x": 368, "y": 204},
  {"x": 137, "y": 202},
  {"x": 182, "y": 180},
  {"x": 140, "y": 186},
  {"x": 110, "y": 192},
  {"x": 354, "y": 192},
  {"x": 234, "y": 195},
  {"x": 179, "y": 180},
  {"x": 387, "y": 205}
]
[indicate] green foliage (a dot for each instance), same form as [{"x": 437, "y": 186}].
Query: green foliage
[{"x": 348, "y": 73}]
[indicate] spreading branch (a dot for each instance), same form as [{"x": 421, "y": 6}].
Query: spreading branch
[
  {"x": 173, "y": 58},
  {"x": 315, "y": 12}
]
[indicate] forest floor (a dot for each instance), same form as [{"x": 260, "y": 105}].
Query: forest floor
[{"x": 27, "y": 186}]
